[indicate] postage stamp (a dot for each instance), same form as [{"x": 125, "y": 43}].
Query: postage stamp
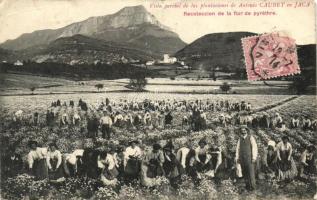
[{"x": 270, "y": 55}]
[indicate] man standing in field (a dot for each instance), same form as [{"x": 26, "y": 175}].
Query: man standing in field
[
  {"x": 246, "y": 155},
  {"x": 106, "y": 124}
]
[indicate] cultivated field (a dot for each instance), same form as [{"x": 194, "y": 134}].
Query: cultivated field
[
  {"x": 18, "y": 84},
  {"x": 69, "y": 138}
]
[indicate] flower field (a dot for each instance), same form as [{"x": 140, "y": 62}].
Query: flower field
[{"x": 70, "y": 138}]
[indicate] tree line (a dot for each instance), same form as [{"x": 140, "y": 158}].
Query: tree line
[{"x": 77, "y": 72}]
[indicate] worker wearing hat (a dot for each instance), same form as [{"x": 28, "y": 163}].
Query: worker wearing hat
[
  {"x": 246, "y": 156},
  {"x": 155, "y": 159}
]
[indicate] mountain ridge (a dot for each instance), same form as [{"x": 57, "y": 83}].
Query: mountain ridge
[{"x": 127, "y": 26}]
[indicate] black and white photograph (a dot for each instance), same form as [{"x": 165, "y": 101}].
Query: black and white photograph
[{"x": 158, "y": 99}]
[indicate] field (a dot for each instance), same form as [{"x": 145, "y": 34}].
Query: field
[
  {"x": 69, "y": 138},
  {"x": 20, "y": 84}
]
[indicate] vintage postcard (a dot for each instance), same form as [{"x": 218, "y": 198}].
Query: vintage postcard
[{"x": 158, "y": 99}]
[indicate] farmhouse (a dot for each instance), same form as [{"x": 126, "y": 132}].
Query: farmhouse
[
  {"x": 18, "y": 63},
  {"x": 169, "y": 60}
]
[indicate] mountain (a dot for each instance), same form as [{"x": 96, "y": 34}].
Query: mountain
[
  {"x": 83, "y": 49},
  {"x": 215, "y": 50},
  {"x": 224, "y": 50},
  {"x": 7, "y": 55},
  {"x": 131, "y": 26}
]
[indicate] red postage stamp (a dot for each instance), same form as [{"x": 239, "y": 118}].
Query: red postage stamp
[{"x": 270, "y": 55}]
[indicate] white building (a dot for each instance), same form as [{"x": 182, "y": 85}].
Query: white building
[
  {"x": 151, "y": 62},
  {"x": 18, "y": 63},
  {"x": 168, "y": 59}
]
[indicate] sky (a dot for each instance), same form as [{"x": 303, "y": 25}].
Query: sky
[{"x": 24, "y": 16}]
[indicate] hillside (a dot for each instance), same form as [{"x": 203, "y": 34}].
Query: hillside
[
  {"x": 81, "y": 49},
  {"x": 214, "y": 50},
  {"x": 224, "y": 50}
]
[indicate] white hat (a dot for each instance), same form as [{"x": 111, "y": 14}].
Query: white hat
[{"x": 271, "y": 143}]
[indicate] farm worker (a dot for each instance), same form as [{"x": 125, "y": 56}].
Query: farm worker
[
  {"x": 37, "y": 161},
  {"x": 92, "y": 126},
  {"x": 137, "y": 120},
  {"x": 161, "y": 118},
  {"x": 269, "y": 159},
  {"x": 58, "y": 102},
  {"x": 191, "y": 164},
  {"x": 216, "y": 159},
  {"x": 18, "y": 116},
  {"x": 181, "y": 156},
  {"x": 246, "y": 156},
  {"x": 168, "y": 119},
  {"x": 118, "y": 119},
  {"x": 307, "y": 165},
  {"x": 286, "y": 164},
  {"x": 128, "y": 120},
  {"x": 132, "y": 160},
  {"x": 107, "y": 164},
  {"x": 76, "y": 118},
  {"x": 135, "y": 106},
  {"x": 72, "y": 163},
  {"x": 277, "y": 120},
  {"x": 49, "y": 117},
  {"x": 243, "y": 105},
  {"x": 306, "y": 123},
  {"x": 171, "y": 165},
  {"x": 222, "y": 120},
  {"x": 35, "y": 119},
  {"x": 71, "y": 103},
  {"x": 90, "y": 161},
  {"x": 154, "y": 161},
  {"x": 106, "y": 124},
  {"x": 248, "y": 108},
  {"x": 64, "y": 118},
  {"x": 185, "y": 121},
  {"x": 202, "y": 156},
  {"x": 54, "y": 162},
  {"x": 203, "y": 119},
  {"x": 155, "y": 119},
  {"x": 147, "y": 118},
  {"x": 295, "y": 122},
  {"x": 12, "y": 163},
  {"x": 265, "y": 120}
]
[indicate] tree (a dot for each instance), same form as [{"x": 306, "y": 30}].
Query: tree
[
  {"x": 225, "y": 87},
  {"x": 32, "y": 89},
  {"x": 99, "y": 86},
  {"x": 138, "y": 82}
]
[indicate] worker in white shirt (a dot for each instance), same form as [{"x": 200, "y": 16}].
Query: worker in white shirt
[
  {"x": 106, "y": 124},
  {"x": 17, "y": 117},
  {"x": 118, "y": 119},
  {"x": 132, "y": 160},
  {"x": 37, "y": 161},
  {"x": 54, "y": 162},
  {"x": 147, "y": 119},
  {"x": 76, "y": 118},
  {"x": 107, "y": 163}
]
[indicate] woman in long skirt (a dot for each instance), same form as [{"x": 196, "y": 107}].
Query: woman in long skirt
[
  {"x": 286, "y": 164},
  {"x": 37, "y": 161},
  {"x": 54, "y": 162},
  {"x": 132, "y": 160},
  {"x": 171, "y": 165}
]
